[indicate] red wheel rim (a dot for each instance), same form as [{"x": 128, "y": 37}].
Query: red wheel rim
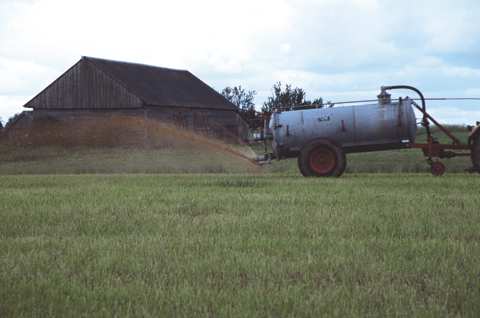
[
  {"x": 438, "y": 169},
  {"x": 322, "y": 160}
]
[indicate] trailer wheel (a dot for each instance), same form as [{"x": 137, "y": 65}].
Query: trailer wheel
[
  {"x": 321, "y": 159},
  {"x": 438, "y": 168}
]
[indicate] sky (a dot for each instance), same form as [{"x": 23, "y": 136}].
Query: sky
[{"x": 335, "y": 49}]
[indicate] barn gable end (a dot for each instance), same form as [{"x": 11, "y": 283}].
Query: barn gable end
[
  {"x": 95, "y": 83},
  {"x": 94, "y": 89},
  {"x": 85, "y": 86}
]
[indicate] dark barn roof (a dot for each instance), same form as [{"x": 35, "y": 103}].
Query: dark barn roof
[{"x": 99, "y": 83}]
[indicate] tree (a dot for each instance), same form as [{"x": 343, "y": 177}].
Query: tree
[
  {"x": 244, "y": 100},
  {"x": 288, "y": 98},
  {"x": 318, "y": 102},
  {"x": 240, "y": 97},
  {"x": 12, "y": 120}
]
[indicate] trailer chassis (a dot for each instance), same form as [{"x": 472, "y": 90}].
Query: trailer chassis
[{"x": 434, "y": 150}]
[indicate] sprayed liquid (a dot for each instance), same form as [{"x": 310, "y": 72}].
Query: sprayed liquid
[{"x": 121, "y": 131}]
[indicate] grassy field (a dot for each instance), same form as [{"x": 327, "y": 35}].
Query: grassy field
[
  {"x": 55, "y": 160},
  {"x": 81, "y": 160},
  {"x": 233, "y": 245},
  {"x": 195, "y": 230}
]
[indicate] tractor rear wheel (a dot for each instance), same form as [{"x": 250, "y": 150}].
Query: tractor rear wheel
[
  {"x": 321, "y": 159},
  {"x": 476, "y": 152}
]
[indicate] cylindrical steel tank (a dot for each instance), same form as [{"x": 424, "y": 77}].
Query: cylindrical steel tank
[{"x": 379, "y": 126}]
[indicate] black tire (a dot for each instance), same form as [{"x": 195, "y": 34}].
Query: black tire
[
  {"x": 322, "y": 158},
  {"x": 476, "y": 151}
]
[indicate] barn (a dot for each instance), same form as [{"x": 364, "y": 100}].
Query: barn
[{"x": 98, "y": 88}]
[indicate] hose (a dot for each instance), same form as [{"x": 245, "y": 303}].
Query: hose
[{"x": 425, "y": 122}]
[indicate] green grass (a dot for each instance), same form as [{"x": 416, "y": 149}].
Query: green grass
[
  {"x": 57, "y": 160},
  {"x": 239, "y": 245},
  {"x": 122, "y": 241},
  {"x": 81, "y": 160}
]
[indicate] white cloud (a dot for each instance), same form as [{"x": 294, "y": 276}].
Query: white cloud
[
  {"x": 473, "y": 92},
  {"x": 10, "y": 105},
  {"x": 466, "y": 115},
  {"x": 20, "y": 75},
  {"x": 333, "y": 48}
]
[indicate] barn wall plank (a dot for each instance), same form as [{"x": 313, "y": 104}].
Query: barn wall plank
[{"x": 84, "y": 87}]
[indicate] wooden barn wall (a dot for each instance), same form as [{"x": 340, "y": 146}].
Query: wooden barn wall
[
  {"x": 84, "y": 87},
  {"x": 220, "y": 123}
]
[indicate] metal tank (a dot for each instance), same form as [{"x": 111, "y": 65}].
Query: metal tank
[
  {"x": 319, "y": 138},
  {"x": 379, "y": 126}
]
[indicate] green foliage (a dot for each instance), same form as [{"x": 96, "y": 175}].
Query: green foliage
[
  {"x": 12, "y": 120},
  {"x": 364, "y": 245},
  {"x": 244, "y": 100},
  {"x": 283, "y": 98},
  {"x": 288, "y": 98},
  {"x": 317, "y": 102},
  {"x": 2, "y": 132}
]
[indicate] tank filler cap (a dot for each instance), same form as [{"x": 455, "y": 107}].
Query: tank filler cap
[{"x": 384, "y": 98}]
